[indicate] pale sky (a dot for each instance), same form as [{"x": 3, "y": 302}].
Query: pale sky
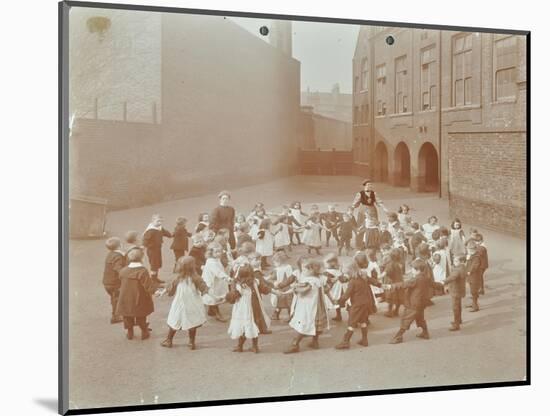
[{"x": 325, "y": 51}]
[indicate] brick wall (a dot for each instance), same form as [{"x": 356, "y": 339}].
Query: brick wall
[{"x": 487, "y": 184}]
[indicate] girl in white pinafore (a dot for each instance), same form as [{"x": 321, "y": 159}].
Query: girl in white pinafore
[
  {"x": 187, "y": 310},
  {"x": 216, "y": 278},
  {"x": 309, "y": 315},
  {"x": 281, "y": 239},
  {"x": 282, "y": 270}
]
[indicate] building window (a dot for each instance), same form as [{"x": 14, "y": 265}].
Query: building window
[
  {"x": 381, "y": 90},
  {"x": 364, "y": 74},
  {"x": 504, "y": 66},
  {"x": 401, "y": 85},
  {"x": 356, "y": 84},
  {"x": 364, "y": 114},
  {"x": 428, "y": 78},
  {"x": 356, "y": 119},
  {"x": 462, "y": 69}
]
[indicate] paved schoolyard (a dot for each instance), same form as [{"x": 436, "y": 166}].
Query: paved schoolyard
[{"x": 106, "y": 369}]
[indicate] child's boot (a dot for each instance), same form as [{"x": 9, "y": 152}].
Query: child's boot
[
  {"x": 364, "y": 340},
  {"x": 192, "y": 335},
  {"x": 130, "y": 333},
  {"x": 295, "y": 346},
  {"x": 144, "y": 331},
  {"x": 314, "y": 344},
  {"x": 344, "y": 345},
  {"x": 424, "y": 334},
  {"x": 338, "y": 316},
  {"x": 454, "y": 326},
  {"x": 168, "y": 341},
  {"x": 398, "y": 337},
  {"x": 239, "y": 347},
  {"x": 255, "y": 347}
]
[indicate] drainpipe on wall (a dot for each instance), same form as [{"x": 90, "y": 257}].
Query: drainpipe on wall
[{"x": 440, "y": 104}]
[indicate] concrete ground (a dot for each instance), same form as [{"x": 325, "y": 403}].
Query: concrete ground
[{"x": 108, "y": 370}]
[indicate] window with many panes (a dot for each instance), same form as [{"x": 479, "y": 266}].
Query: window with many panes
[
  {"x": 428, "y": 78},
  {"x": 504, "y": 66},
  {"x": 364, "y": 74},
  {"x": 401, "y": 85},
  {"x": 364, "y": 114},
  {"x": 381, "y": 89},
  {"x": 356, "y": 83},
  {"x": 462, "y": 69},
  {"x": 356, "y": 115}
]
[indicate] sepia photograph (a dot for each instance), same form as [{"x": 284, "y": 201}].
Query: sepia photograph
[{"x": 268, "y": 208}]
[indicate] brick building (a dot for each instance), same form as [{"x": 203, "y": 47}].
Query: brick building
[
  {"x": 445, "y": 111},
  {"x": 172, "y": 105}
]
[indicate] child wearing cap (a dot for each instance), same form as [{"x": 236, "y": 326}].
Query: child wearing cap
[
  {"x": 416, "y": 296},
  {"x": 392, "y": 275},
  {"x": 330, "y": 220},
  {"x": 114, "y": 263},
  {"x": 484, "y": 260},
  {"x": 474, "y": 270},
  {"x": 362, "y": 304},
  {"x": 152, "y": 241},
  {"x": 180, "y": 243},
  {"x": 187, "y": 310},
  {"x": 456, "y": 283},
  {"x": 131, "y": 240},
  {"x": 135, "y": 302}
]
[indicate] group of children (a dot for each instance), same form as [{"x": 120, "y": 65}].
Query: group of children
[{"x": 214, "y": 271}]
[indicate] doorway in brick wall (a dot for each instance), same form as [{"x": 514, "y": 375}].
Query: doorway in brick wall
[
  {"x": 381, "y": 162},
  {"x": 402, "y": 165},
  {"x": 428, "y": 168}
]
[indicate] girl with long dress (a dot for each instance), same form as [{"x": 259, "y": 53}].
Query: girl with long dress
[
  {"x": 312, "y": 235},
  {"x": 247, "y": 308},
  {"x": 281, "y": 234},
  {"x": 187, "y": 310},
  {"x": 281, "y": 271},
  {"x": 300, "y": 217},
  {"x": 264, "y": 242},
  {"x": 310, "y": 315},
  {"x": 457, "y": 240},
  {"x": 336, "y": 282},
  {"x": 216, "y": 278}
]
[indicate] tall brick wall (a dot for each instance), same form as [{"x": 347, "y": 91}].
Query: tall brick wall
[
  {"x": 228, "y": 107},
  {"x": 116, "y": 161},
  {"x": 487, "y": 173}
]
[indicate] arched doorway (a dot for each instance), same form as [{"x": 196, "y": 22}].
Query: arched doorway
[
  {"x": 402, "y": 165},
  {"x": 428, "y": 168},
  {"x": 381, "y": 162}
]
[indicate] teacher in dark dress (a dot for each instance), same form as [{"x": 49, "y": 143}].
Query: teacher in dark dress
[{"x": 223, "y": 216}]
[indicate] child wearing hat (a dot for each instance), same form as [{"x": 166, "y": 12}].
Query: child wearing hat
[
  {"x": 135, "y": 302},
  {"x": 180, "y": 243},
  {"x": 362, "y": 304},
  {"x": 474, "y": 271},
  {"x": 456, "y": 283},
  {"x": 187, "y": 310},
  {"x": 416, "y": 296},
  {"x": 114, "y": 263},
  {"x": 152, "y": 241}
]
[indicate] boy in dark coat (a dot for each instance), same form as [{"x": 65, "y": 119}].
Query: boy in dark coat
[
  {"x": 424, "y": 254},
  {"x": 456, "y": 283},
  {"x": 114, "y": 262},
  {"x": 345, "y": 233},
  {"x": 135, "y": 302},
  {"x": 362, "y": 304},
  {"x": 417, "y": 292},
  {"x": 484, "y": 260},
  {"x": 393, "y": 273},
  {"x": 198, "y": 252},
  {"x": 474, "y": 271},
  {"x": 330, "y": 220},
  {"x": 180, "y": 243},
  {"x": 152, "y": 241},
  {"x": 416, "y": 238}
]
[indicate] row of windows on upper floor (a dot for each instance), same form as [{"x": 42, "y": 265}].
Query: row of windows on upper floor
[{"x": 505, "y": 59}]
